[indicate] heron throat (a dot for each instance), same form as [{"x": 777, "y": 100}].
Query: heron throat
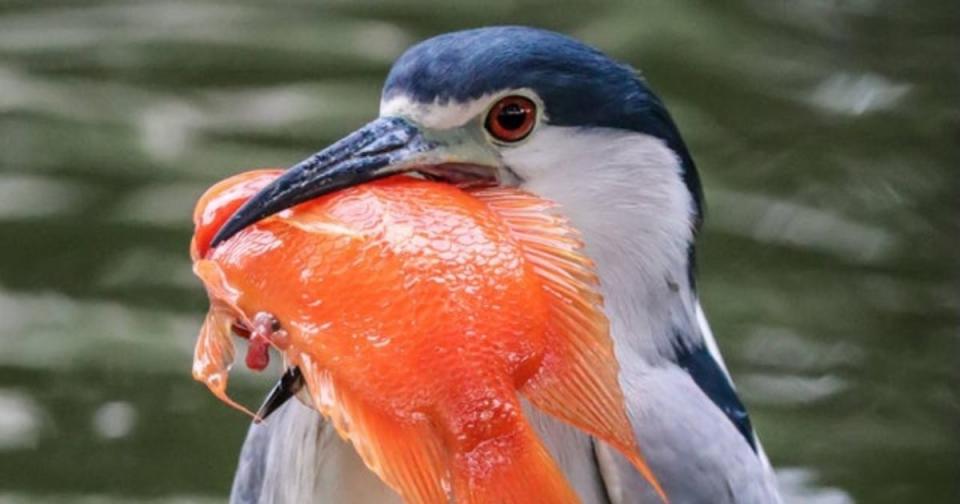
[{"x": 625, "y": 192}]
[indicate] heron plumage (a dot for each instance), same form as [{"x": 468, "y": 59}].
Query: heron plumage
[{"x": 609, "y": 153}]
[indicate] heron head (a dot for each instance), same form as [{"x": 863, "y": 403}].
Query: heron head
[
  {"x": 532, "y": 108},
  {"x": 504, "y": 105}
]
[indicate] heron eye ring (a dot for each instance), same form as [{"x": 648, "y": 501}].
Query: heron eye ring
[{"x": 512, "y": 118}]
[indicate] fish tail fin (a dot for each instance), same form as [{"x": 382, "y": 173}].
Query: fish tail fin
[
  {"x": 578, "y": 381},
  {"x": 524, "y": 474},
  {"x": 580, "y": 387},
  {"x": 408, "y": 457}
]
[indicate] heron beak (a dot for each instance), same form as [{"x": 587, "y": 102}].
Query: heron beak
[{"x": 386, "y": 146}]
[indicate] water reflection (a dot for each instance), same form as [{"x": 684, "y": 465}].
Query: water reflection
[
  {"x": 822, "y": 129},
  {"x": 857, "y": 94},
  {"x": 801, "y": 485},
  {"x": 783, "y": 222},
  {"x": 58, "y": 332},
  {"x": 114, "y": 420},
  {"x": 20, "y": 420},
  {"x": 27, "y": 196}
]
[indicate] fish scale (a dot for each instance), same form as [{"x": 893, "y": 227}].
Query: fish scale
[{"x": 419, "y": 314}]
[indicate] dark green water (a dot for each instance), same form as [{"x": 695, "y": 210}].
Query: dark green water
[{"x": 825, "y": 132}]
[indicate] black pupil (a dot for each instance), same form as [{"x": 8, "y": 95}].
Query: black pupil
[{"x": 512, "y": 117}]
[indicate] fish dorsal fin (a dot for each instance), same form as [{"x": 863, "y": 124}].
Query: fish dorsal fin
[
  {"x": 407, "y": 456},
  {"x": 577, "y": 381}
]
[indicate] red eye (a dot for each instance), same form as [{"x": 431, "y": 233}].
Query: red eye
[{"x": 511, "y": 119}]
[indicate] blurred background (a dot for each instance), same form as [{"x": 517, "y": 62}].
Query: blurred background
[{"x": 825, "y": 131}]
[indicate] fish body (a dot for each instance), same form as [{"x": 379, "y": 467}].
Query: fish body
[{"x": 419, "y": 313}]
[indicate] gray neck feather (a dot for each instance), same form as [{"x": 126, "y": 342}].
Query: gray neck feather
[{"x": 624, "y": 191}]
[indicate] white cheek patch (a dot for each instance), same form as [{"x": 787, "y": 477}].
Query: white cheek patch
[
  {"x": 435, "y": 115},
  {"x": 624, "y": 191}
]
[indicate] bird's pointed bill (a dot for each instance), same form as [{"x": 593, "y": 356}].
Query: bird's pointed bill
[{"x": 386, "y": 146}]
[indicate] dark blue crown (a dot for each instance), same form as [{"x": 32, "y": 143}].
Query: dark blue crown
[{"x": 579, "y": 85}]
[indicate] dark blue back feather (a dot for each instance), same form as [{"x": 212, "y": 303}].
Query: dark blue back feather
[{"x": 711, "y": 379}]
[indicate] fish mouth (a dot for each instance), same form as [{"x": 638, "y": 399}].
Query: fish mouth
[{"x": 387, "y": 146}]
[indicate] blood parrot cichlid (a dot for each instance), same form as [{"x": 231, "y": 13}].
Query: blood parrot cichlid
[{"x": 419, "y": 313}]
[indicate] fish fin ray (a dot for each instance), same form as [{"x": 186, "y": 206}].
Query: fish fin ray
[
  {"x": 577, "y": 382},
  {"x": 214, "y": 352},
  {"x": 408, "y": 457}
]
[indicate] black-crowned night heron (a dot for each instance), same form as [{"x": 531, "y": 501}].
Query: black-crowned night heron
[{"x": 526, "y": 107}]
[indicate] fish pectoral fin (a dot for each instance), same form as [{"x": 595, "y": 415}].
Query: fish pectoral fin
[
  {"x": 577, "y": 381},
  {"x": 407, "y": 456},
  {"x": 578, "y": 384},
  {"x": 214, "y": 352},
  {"x": 213, "y": 355}
]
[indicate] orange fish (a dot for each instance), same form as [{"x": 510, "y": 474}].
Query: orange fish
[{"x": 418, "y": 314}]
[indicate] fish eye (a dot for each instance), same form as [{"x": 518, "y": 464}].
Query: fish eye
[{"x": 512, "y": 118}]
